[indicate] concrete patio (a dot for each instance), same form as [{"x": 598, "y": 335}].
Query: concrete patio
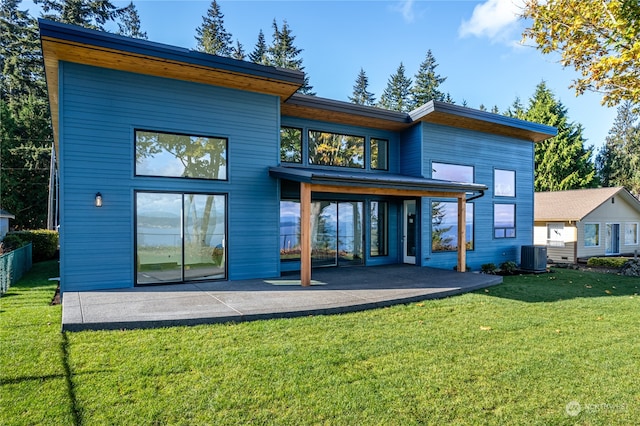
[{"x": 333, "y": 291}]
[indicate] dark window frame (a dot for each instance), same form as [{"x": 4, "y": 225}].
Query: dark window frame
[
  {"x": 282, "y": 160},
  {"x": 505, "y": 229},
  {"x": 515, "y": 179},
  {"x": 364, "y": 149},
  {"x": 385, "y": 229},
  {"x": 386, "y": 141},
  {"x": 472, "y": 167},
  {"x": 473, "y": 229}
]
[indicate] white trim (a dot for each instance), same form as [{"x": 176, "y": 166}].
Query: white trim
[
  {"x": 625, "y": 233},
  {"x": 584, "y": 237}
]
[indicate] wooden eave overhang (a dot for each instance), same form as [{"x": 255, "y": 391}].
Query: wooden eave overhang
[
  {"x": 315, "y": 108},
  {"x": 482, "y": 121},
  {"x": 69, "y": 43}
]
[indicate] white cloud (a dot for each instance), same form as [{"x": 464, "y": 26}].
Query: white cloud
[
  {"x": 405, "y": 7},
  {"x": 494, "y": 19}
]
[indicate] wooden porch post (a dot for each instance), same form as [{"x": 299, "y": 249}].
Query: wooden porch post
[
  {"x": 305, "y": 234},
  {"x": 462, "y": 232}
]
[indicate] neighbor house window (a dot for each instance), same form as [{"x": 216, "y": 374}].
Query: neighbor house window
[
  {"x": 504, "y": 220},
  {"x": 504, "y": 183},
  {"x": 290, "y": 145},
  {"x": 591, "y": 234},
  {"x": 452, "y": 172},
  {"x": 630, "y": 234},
  {"x": 379, "y": 228},
  {"x": 333, "y": 149},
  {"x": 379, "y": 154},
  {"x": 444, "y": 226},
  {"x": 555, "y": 234},
  {"x": 178, "y": 155}
]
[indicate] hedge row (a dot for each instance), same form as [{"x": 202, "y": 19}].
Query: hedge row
[
  {"x": 609, "y": 262},
  {"x": 44, "y": 242}
]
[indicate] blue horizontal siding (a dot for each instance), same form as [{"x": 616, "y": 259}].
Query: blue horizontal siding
[
  {"x": 484, "y": 152},
  {"x": 99, "y": 110}
]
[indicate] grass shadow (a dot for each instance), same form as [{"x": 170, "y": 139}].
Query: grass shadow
[{"x": 564, "y": 284}]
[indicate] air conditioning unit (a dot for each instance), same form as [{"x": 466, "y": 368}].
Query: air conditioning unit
[{"x": 533, "y": 258}]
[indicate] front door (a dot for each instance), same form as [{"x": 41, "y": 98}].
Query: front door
[
  {"x": 409, "y": 232},
  {"x": 612, "y": 241}
]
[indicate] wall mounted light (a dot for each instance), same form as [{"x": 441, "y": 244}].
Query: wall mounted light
[{"x": 98, "y": 199}]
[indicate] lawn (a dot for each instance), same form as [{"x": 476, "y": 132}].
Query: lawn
[{"x": 555, "y": 348}]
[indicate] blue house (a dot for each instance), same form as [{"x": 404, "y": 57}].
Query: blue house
[{"x": 178, "y": 166}]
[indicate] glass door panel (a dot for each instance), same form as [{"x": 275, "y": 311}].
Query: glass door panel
[
  {"x": 324, "y": 226},
  {"x": 350, "y": 233},
  {"x": 204, "y": 236},
  {"x": 159, "y": 237}
]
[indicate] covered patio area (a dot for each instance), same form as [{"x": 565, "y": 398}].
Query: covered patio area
[{"x": 332, "y": 291}]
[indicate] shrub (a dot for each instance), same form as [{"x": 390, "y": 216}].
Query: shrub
[
  {"x": 508, "y": 267},
  {"x": 488, "y": 268},
  {"x": 12, "y": 242},
  {"x": 609, "y": 262},
  {"x": 44, "y": 241}
]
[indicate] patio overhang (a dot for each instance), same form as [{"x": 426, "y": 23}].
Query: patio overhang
[{"x": 367, "y": 183}]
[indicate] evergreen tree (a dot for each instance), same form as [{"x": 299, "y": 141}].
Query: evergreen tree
[
  {"x": 618, "y": 161},
  {"x": 426, "y": 83},
  {"x": 284, "y": 54},
  {"x": 259, "y": 55},
  {"x": 482, "y": 107},
  {"x": 361, "y": 95},
  {"x": 211, "y": 35},
  {"x": 516, "y": 110},
  {"x": 92, "y": 14},
  {"x": 495, "y": 109},
  {"x": 237, "y": 52},
  {"x": 129, "y": 25},
  {"x": 561, "y": 162},
  {"x": 396, "y": 95}
]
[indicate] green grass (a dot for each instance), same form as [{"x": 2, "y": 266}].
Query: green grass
[{"x": 517, "y": 353}]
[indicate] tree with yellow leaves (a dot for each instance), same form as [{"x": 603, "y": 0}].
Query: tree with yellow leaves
[{"x": 599, "y": 38}]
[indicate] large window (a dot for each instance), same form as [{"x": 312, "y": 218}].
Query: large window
[
  {"x": 179, "y": 237},
  {"x": 444, "y": 226},
  {"x": 332, "y": 149},
  {"x": 591, "y": 234},
  {"x": 452, "y": 172},
  {"x": 290, "y": 145},
  {"x": 289, "y": 230},
  {"x": 177, "y": 155},
  {"x": 504, "y": 220},
  {"x": 504, "y": 183},
  {"x": 379, "y": 154},
  {"x": 630, "y": 234},
  {"x": 379, "y": 228}
]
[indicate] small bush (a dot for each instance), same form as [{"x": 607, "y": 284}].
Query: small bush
[
  {"x": 608, "y": 262},
  {"x": 12, "y": 242},
  {"x": 44, "y": 241},
  {"x": 508, "y": 267},
  {"x": 488, "y": 268}
]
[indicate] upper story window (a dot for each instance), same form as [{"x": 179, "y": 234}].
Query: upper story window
[
  {"x": 504, "y": 183},
  {"x": 333, "y": 149},
  {"x": 379, "y": 154},
  {"x": 504, "y": 220},
  {"x": 452, "y": 172},
  {"x": 290, "y": 145},
  {"x": 179, "y": 155}
]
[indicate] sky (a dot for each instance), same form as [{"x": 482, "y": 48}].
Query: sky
[{"x": 477, "y": 45}]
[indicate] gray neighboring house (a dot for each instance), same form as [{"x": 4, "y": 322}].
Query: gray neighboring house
[
  {"x": 4, "y": 222},
  {"x": 583, "y": 223}
]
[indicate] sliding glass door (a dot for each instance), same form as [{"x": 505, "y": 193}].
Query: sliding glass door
[
  {"x": 180, "y": 237},
  {"x": 336, "y": 233}
]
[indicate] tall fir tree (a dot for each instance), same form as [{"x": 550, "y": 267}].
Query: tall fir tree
[
  {"x": 211, "y": 36},
  {"x": 426, "y": 83},
  {"x": 283, "y": 53},
  {"x": 561, "y": 162},
  {"x": 516, "y": 110},
  {"x": 396, "y": 95},
  {"x": 618, "y": 161},
  {"x": 129, "y": 25},
  {"x": 260, "y": 54},
  {"x": 92, "y": 14},
  {"x": 361, "y": 94},
  {"x": 237, "y": 52}
]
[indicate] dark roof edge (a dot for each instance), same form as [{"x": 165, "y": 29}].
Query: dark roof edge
[
  {"x": 489, "y": 117},
  {"x": 348, "y": 108},
  {"x": 310, "y": 175},
  {"x": 80, "y": 35}
]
